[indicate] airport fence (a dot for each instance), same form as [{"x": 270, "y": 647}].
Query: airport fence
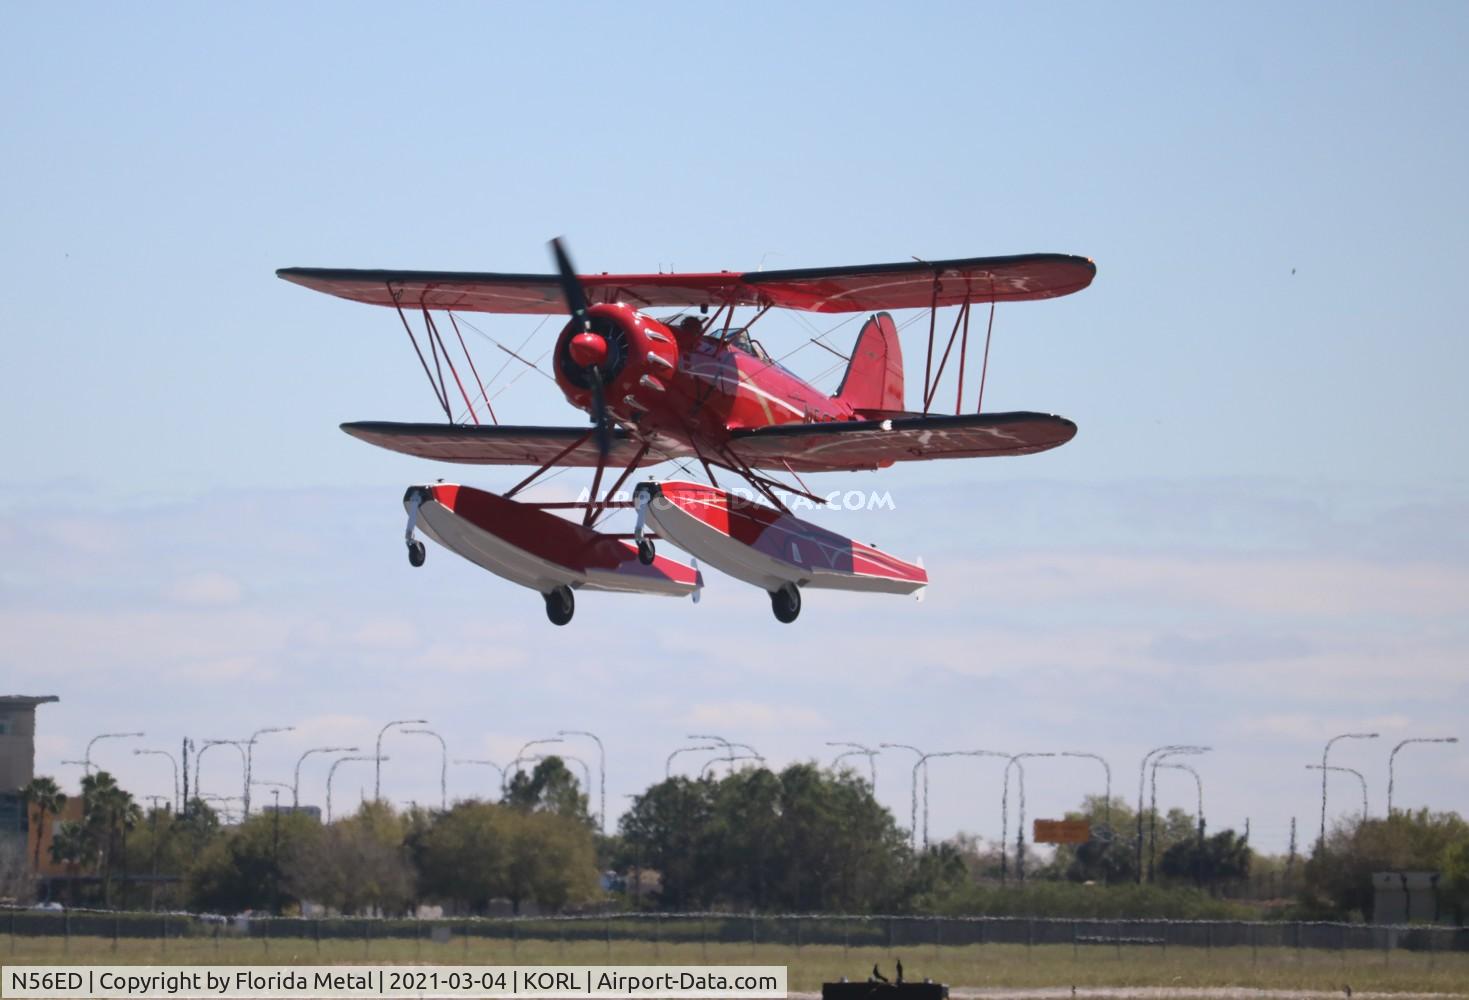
[{"x": 893, "y": 933}]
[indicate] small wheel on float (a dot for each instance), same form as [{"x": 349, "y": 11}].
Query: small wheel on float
[
  {"x": 560, "y": 605},
  {"x": 416, "y": 553},
  {"x": 646, "y": 552},
  {"x": 786, "y": 603}
]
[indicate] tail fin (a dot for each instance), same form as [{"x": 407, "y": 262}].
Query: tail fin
[{"x": 874, "y": 379}]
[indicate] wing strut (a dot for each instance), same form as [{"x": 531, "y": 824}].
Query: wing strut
[
  {"x": 440, "y": 396},
  {"x": 559, "y": 456},
  {"x": 932, "y": 390},
  {"x": 985, "y": 367},
  {"x": 483, "y": 394}
]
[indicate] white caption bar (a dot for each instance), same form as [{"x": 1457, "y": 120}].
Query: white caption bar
[{"x": 358, "y": 982}]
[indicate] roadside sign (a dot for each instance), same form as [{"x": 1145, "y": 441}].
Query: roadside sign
[{"x": 1062, "y": 831}]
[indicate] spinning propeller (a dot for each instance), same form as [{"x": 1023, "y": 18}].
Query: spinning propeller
[{"x": 588, "y": 348}]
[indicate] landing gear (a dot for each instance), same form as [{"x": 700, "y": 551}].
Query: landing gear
[
  {"x": 560, "y": 605},
  {"x": 646, "y": 552},
  {"x": 416, "y": 552},
  {"x": 786, "y": 603}
]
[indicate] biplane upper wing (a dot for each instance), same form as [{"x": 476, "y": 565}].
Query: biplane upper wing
[
  {"x": 470, "y": 291},
  {"x": 861, "y": 288},
  {"x": 495, "y": 444},
  {"x": 921, "y": 284},
  {"x": 874, "y": 444}
]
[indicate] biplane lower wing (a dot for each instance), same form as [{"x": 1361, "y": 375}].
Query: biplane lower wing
[
  {"x": 494, "y": 444},
  {"x": 874, "y": 444}
]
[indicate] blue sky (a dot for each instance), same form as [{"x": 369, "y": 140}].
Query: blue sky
[{"x": 1257, "y": 539}]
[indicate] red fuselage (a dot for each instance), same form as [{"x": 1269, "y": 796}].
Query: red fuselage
[{"x": 680, "y": 387}]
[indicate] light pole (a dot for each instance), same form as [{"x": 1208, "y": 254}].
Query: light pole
[
  {"x": 275, "y": 789},
  {"x": 296, "y": 782},
  {"x": 728, "y": 760},
  {"x": 199, "y": 757},
  {"x": 924, "y": 761},
  {"x": 1190, "y": 751},
  {"x": 1107, "y": 806},
  {"x": 443, "y": 765},
  {"x": 1014, "y": 760},
  {"x": 752, "y": 752},
  {"x": 913, "y": 794},
  {"x": 250, "y": 757},
  {"x": 1321, "y": 840},
  {"x": 512, "y": 767},
  {"x": 1346, "y": 770},
  {"x": 1142, "y": 780},
  {"x": 1199, "y": 783},
  {"x": 601, "y": 773},
  {"x": 1391, "y": 756},
  {"x": 728, "y": 746},
  {"x": 87, "y": 756},
  {"x": 332, "y": 772},
  {"x": 484, "y": 763},
  {"x": 585, "y": 770},
  {"x": 668, "y": 764},
  {"x": 858, "y": 748},
  {"x": 172, "y": 761},
  {"x": 377, "y": 778}
]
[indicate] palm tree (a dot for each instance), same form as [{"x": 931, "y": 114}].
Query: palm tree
[
  {"x": 42, "y": 795},
  {"x": 108, "y": 814},
  {"x": 69, "y": 845}
]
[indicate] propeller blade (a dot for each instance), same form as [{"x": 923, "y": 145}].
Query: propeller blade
[
  {"x": 571, "y": 290},
  {"x": 599, "y": 416}
]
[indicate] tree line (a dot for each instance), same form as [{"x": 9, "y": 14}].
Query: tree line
[{"x": 804, "y": 839}]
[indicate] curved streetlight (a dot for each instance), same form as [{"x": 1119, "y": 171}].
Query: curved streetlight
[
  {"x": 728, "y": 746},
  {"x": 1199, "y": 784},
  {"x": 483, "y": 762},
  {"x": 377, "y": 778},
  {"x": 913, "y": 793},
  {"x": 1321, "y": 840},
  {"x": 858, "y": 748},
  {"x": 87, "y": 755},
  {"x": 296, "y": 782},
  {"x": 728, "y": 760},
  {"x": 199, "y": 758},
  {"x": 601, "y": 773},
  {"x": 1107, "y": 805},
  {"x": 1346, "y": 770},
  {"x": 1187, "y": 751},
  {"x": 585, "y": 770},
  {"x": 443, "y": 764},
  {"x": 224, "y": 810},
  {"x": 668, "y": 764},
  {"x": 869, "y": 754},
  {"x": 174, "y": 762},
  {"x": 1142, "y": 780},
  {"x": 250, "y": 757},
  {"x": 1014, "y": 761},
  {"x": 751, "y": 752},
  {"x": 924, "y": 761},
  {"x": 1391, "y": 756},
  {"x": 331, "y": 773},
  {"x": 521, "y": 755}
]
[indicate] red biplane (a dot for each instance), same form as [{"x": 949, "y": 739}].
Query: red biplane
[{"x": 694, "y": 387}]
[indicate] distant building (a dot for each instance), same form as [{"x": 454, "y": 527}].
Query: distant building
[
  {"x": 312, "y": 811},
  {"x": 17, "y": 757}
]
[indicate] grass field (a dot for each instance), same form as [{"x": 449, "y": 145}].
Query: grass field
[{"x": 974, "y": 966}]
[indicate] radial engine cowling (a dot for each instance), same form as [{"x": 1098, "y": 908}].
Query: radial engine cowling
[{"x": 636, "y": 359}]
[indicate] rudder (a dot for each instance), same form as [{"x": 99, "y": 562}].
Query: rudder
[{"x": 874, "y": 379}]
